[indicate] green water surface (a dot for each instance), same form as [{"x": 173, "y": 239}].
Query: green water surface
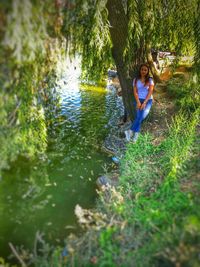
[{"x": 41, "y": 195}]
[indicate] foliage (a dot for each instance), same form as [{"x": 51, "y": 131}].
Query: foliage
[
  {"x": 23, "y": 36},
  {"x": 186, "y": 92},
  {"x": 158, "y": 25},
  {"x": 87, "y": 31},
  {"x": 28, "y": 54},
  {"x": 197, "y": 41}
]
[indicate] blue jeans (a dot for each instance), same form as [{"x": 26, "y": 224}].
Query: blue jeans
[{"x": 141, "y": 115}]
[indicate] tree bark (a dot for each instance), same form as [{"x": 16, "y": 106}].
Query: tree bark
[
  {"x": 154, "y": 71},
  {"x": 119, "y": 32}
]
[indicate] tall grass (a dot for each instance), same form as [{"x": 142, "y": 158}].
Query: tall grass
[
  {"x": 186, "y": 92},
  {"x": 158, "y": 206}
]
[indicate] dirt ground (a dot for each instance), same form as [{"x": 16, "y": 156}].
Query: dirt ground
[
  {"x": 164, "y": 107},
  {"x": 161, "y": 114}
]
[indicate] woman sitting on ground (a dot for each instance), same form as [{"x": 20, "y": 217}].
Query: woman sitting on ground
[{"x": 142, "y": 88}]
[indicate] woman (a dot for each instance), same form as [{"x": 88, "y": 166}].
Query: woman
[{"x": 142, "y": 88}]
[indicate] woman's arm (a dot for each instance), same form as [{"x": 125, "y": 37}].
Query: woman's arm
[
  {"x": 147, "y": 97},
  {"x": 136, "y": 96}
]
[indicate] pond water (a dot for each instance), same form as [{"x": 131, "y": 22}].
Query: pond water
[{"x": 41, "y": 195}]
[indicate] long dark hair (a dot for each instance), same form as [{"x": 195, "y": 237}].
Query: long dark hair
[{"x": 139, "y": 73}]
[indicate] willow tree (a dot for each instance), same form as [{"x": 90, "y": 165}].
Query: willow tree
[
  {"x": 197, "y": 40},
  {"x": 125, "y": 32},
  {"x": 29, "y": 50}
]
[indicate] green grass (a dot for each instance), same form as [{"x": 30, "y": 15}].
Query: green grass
[
  {"x": 186, "y": 93},
  {"x": 151, "y": 180}
]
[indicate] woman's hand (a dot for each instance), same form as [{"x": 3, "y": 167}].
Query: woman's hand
[
  {"x": 143, "y": 105},
  {"x": 138, "y": 104}
]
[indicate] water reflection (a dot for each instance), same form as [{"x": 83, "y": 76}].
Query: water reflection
[{"x": 41, "y": 195}]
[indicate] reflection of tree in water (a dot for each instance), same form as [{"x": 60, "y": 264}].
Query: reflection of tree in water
[{"x": 92, "y": 124}]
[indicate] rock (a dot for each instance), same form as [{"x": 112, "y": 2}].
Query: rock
[
  {"x": 112, "y": 73},
  {"x": 103, "y": 181},
  {"x": 115, "y": 144}
]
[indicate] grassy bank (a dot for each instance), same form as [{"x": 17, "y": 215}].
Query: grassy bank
[{"x": 152, "y": 219}]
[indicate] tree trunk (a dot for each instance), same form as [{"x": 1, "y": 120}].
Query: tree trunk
[
  {"x": 154, "y": 71},
  {"x": 119, "y": 32}
]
